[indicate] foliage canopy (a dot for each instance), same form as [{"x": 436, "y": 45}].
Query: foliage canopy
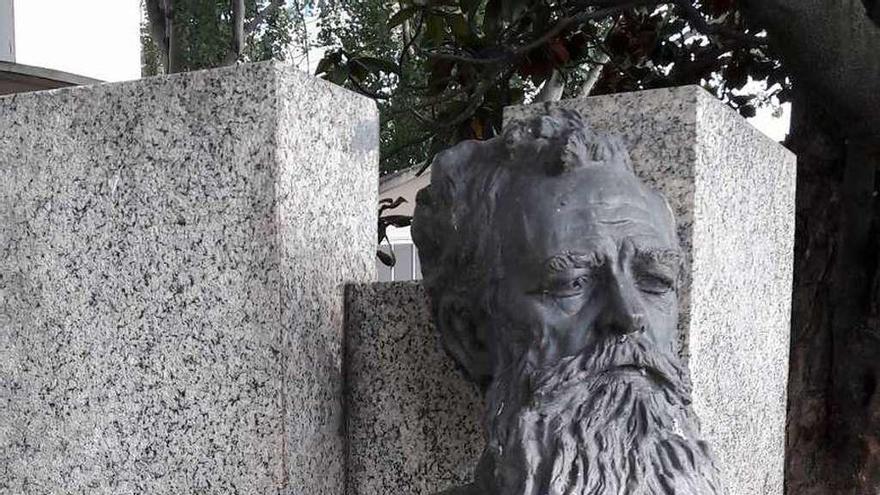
[{"x": 443, "y": 70}]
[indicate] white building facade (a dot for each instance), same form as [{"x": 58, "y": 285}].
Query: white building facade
[
  {"x": 403, "y": 184},
  {"x": 71, "y": 42}
]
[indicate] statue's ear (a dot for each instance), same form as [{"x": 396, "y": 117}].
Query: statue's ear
[{"x": 464, "y": 338}]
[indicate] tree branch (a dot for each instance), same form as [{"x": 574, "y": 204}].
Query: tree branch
[
  {"x": 409, "y": 42},
  {"x": 301, "y": 18},
  {"x": 552, "y": 88},
  {"x": 173, "y": 45},
  {"x": 406, "y": 144},
  {"x": 608, "y": 8},
  {"x": 262, "y": 15},
  {"x": 156, "y": 19},
  {"x": 428, "y": 102},
  {"x": 237, "y": 47},
  {"x": 698, "y": 22},
  {"x": 560, "y": 27},
  {"x": 366, "y": 92},
  {"x": 872, "y": 8},
  {"x": 593, "y": 75}
]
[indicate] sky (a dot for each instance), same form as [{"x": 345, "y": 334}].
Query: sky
[
  {"x": 774, "y": 127},
  {"x": 94, "y": 38}
]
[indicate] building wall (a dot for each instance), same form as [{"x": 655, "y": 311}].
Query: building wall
[
  {"x": 406, "y": 185},
  {"x": 7, "y": 32},
  {"x": 407, "y": 265}
]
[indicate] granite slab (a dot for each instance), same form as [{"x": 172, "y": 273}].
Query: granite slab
[{"x": 172, "y": 258}]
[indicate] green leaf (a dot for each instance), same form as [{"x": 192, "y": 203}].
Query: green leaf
[
  {"x": 517, "y": 96},
  {"x": 338, "y": 75},
  {"x": 459, "y": 26},
  {"x": 402, "y": 16},
  {"x": 389, "y": 204},
  {"x": 386, "y": 258},
  {"x": 747, "y": 111},
  {"x": 511, "y": 9},
  {"x": 358, "y": 70},
  {"x": 470, "y": 6},
  {"x": 438, "y": 75},
  {"x": 435, "y": 29},
  {"x": 397, "y": 220},
  {"x": 325, "y": 65},
  {"x": 375, "y": 65},
  {"x": 492, "y": 19},
  {"x": 329, "y": 62}
]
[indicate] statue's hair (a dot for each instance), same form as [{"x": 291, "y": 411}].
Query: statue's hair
[{"x": 456, "y": 248}]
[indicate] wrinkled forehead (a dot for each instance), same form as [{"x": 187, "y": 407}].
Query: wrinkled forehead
[{"x": 546, "y": 215}]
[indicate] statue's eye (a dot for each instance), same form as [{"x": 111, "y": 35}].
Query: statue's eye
[
  {"x": 655, "y": 284},
  {"x": 567, "y": 287}
]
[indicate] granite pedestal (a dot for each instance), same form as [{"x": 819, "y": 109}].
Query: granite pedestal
[
  {"x": 413, "y": 422},
  {"x": 172, "y": 258},
  {"x": 732, "y": 189}
]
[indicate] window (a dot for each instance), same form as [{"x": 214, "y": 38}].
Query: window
[{"x": 406, "y": 267}]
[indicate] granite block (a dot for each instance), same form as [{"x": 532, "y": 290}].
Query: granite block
[
  {"x": 413, "y": 421},
  {"x": 732, "y": 189},
  {"x": 172, "y": 258}
]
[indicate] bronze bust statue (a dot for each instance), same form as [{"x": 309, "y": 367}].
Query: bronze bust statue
[{"x": 552, "y": 272}]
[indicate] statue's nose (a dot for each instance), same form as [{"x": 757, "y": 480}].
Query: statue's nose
[{"x": 622, "y": 313}]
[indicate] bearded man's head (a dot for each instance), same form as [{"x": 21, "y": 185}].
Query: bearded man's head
[{"x": 553, "y": 275}]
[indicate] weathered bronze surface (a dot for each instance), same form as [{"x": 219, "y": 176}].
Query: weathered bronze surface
[{"x": 553, "y": 274}]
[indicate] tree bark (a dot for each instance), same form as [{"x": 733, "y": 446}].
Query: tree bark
[
  {"x": 176, "y": 59},
  {"x": 820, "y": 156},
  {"x": 873, "y": 9},
  {"x": 831, "y": 48},
  {"x": 593, "y": 76},
  {"x": 552, "y": 88},
  {"x": 855, "y": 403},
  {"x": 833, "y": 436},
  {"x": 156, "y": 18},
  {"x": 238, "y": 32}
]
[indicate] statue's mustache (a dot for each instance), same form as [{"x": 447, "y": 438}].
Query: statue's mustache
[{"x": 608, "y": 361}]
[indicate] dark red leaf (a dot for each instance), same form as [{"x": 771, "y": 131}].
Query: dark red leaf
[{"x": 558, "y": 53}]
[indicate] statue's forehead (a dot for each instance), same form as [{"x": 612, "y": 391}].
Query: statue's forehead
[
  {"x": 581, "y": 209},
  {"x": 590, "y": 185}
]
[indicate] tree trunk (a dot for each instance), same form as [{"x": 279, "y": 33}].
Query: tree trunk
[
  {"x": 873, "y": 9},
  {"x": 238, "y": 33},
  {"x": 176, "y": 49},
  {"x": 830, "y": 48},
  {"x": 552, "y": 88},
  {"x": 156, "y": 19},
  {"x": 832, "y": 444},
  {"x": 593, "y": 76},
  {"x": 817, "y": 224}
]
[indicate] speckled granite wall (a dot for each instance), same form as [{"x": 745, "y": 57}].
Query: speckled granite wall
[
  {"x": 172, "y": 254},
  {"x": 413, "y": 422},
  {"x": 733, "y": 191}
]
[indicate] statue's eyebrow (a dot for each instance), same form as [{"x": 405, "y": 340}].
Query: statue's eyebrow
[
  {"x": 668, "y": 257},
  {"x": 569, "y": 260}
]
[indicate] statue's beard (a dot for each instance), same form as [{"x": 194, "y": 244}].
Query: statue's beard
[{"x": 614, "y": 420}]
